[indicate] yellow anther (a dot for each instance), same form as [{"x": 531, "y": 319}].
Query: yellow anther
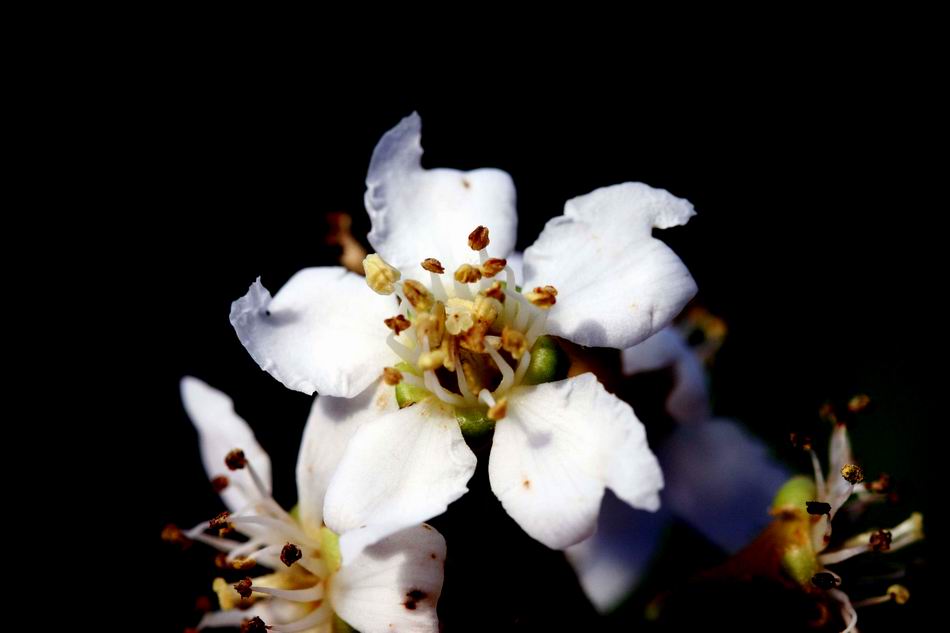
[
  {"x": 858, "y": 403},
  {"x": 486, "y": 309},
  {"x": 418, "y": 295},
  {"x": 433, "y": 265},
  {"x": 499, "y": 410},
  {"x": 392, "y": 376},
  {"x": 543, "y": 297},
  {"x": 493, "y": 266},
  {"x": 899, "y": 593},
  {"x": 450, "y": 347},
  {"x": 431, "y": 360},
  {"x": 467, "y": 274},
  {"x": 478, "y": 239},
  {"x": 431, "y": 325},
  {"x": 398, "y": 324},
  {"x": 514, "y": 342},
  {"x": 496, "y": 292},
  {"x": 852, "y": 473},
  {"x": 459, "y": 316},
  {"x": 380, "y": 276}
]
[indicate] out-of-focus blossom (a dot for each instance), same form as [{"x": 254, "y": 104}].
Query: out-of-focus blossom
[
  {"x": 393, "y": 585},
  {"x": 466, "y": 346}
]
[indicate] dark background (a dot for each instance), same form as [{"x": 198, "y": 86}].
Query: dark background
[{"x": 810, "y": 241}]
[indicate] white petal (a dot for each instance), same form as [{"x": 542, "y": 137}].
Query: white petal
[
  {"x": 721, "y": 480},
  {"x": 611, "y": 563},
  {"x": 331, "y": 425},
  {"x": 617, "y": 285},
  {"x": 689, "y": 399},
  {"x": 393, "y": 585},
  {"x": 559, "y": 446},
  {"x": 221, "y": 430},
  {"x": 418, "y": 213},
  {"x": 516, "y": 262},
  {"x": 398, "y": 471},
  {"x": 322, "y": 332}
]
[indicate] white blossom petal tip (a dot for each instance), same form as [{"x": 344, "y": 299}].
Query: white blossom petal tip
[
  {"x": 618, "y": 284},
  {"x": 321, "y": 333},
  {"x": 417, "y": 213}
]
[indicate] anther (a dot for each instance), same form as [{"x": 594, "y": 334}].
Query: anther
[
  {"x": 467, "y": 274},
  {"x": 398, "y": 323},
  {"x": 858, "y": 403},
  {"x": 827, "y": 412},
  {"x": 221, "y": 523},
  {"x": 825, "y": 580},
  {"x": 254, "y": 625},
  {"x": 543, "y": 297},
  {"x": 431, "y": 325},
  {"x": 219, "y": 483},
  {"x": 243, "y": 587},
  {"x": 800, "y": 440},
  {"x": 433, "y": 265},
  {"x": 496, "y": 292},
  {"x": 392, "y": 376},
  {"x": 290, "y": 554},
  {"x": 817, "y": 508},
  {"x": 852, "y": 473},
  {"x": 899, "y": 593},
  {"x": 235, "y": 460},
  {"x": 431, "y": 360},
  {"x": 498, "y": 410},
  {"x": 880, "y": 541},
  {"x": 417, "y": 295},
  {"x": 478, "y": 239},
  {"x": 380, "y": 276},
  {"x": 881, "y": 485},
  {"x": 493, "y": 266},
  {"x": 514, "y": 342},
  {"x": 172, "y": 534}
]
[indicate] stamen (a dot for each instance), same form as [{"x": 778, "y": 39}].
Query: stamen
[
  {"x": 478, "y": 239},
  {"x": 235, "y": 460},
  {"x": 898, "y": 593},
  {"x": 493, "y": 266},
  {"x": 312, "y": 619},
  {"x": 507, "y": 373},
  {"x": 485, "y": 396},
  {"x": 398, "y": 324},
  {"x": 171, "y": 534},
  {"x": 392, "y": 376},
  {"x": 858, "y": 403},
  {"x": 417, "y": 295},
  {"x": 311, "y": 594},
  {"x": 433, "y": 265},
  {"x": 431, "y": 325},
  {"x": 467, "y": 274},
  {"x": 243, "y": 587},
  {"x": 254, "y": 625},
  {"x": 405, "y": 353},
  {"x": 380, "y": 276},
  {"x": 284, "y": 527},
  {"x": 543, "y": 297},
  {"x": 817, "y": 507},
  {"x": 514, "y": 342},
  {"x": 496, "y": 292},
  {"x": 462, "y": 382},
  {"x": 290, "y": 554},
  {"x": 880, "y": 541},
  {"x": 522, "y": 368},
  {"x": 848, "y": 614},
  {"x": 537, "y": 327},
  {"x": 221, "y": 524},
  {"x": 819, "y": 476},
  {"x": 499, "y": 410},
  {"x": 852, "y": 473},
  {"x": 432, "y": 381},
  {"x": 219, "y": 483},
  {"x": 431, "y": 360},
  {"x": 826, "y": 580}
]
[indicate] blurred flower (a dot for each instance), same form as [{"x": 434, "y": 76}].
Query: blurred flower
[
  {"x": 471, "y": 351},
  {"x": 395, "y": 583}
]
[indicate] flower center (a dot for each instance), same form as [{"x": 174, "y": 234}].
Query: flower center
[{"x": 465, "y": 339}]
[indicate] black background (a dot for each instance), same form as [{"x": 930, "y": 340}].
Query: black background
[{"x": 810, "y": 241}]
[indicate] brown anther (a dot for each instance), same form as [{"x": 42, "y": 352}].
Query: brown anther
[
  {"x": 254, "y": 625},
  {"x": 398, "y": 324},
  {"x": 852, "y": 473},
  {"x": 499, "y": 410},
  {"x": 467, "y": 274},
  {"x": 880, "y": 541},
  {"x": 514, "y": 342},
  {"x": 827, "y": 413},
  {"x": 473, "y": 339},
  {"x": 881, "y": 485},
  {"x": 825, "y": 580},
  {"x": 352, "y": 252},
  {"x": 799, "y": 440},
  {"x": 172, "y": 534},
  {"x": 417, "y": 295},
  {"x": 221, "y": 561},
  {"x": 493, "y": 266},
  {"x": 433, "y": 265},
  {"x": 235, "y": 460},
  {"x": 450, "y": 349},
  {"x": 243, "y": 563},
  {"x": 478, "y": 239},
  {"x": 290, "y": 554},
  {"x": 817, "y": 507},
  {"x": 543, "y": 297},
  {"x": 243, "y": 587},
  {"x": 392, "y": 376},
  {"x": 219, "y": 483},
  {"x": 898, "y": 594},
  {"x": 496, "y": 292},
  {"x": 858, "y": 403},
  {"x": 221, "y": 524}
]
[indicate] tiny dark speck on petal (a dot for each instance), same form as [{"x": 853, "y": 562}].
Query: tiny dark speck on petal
[
  {"x": 526, "y": 483},
  {"x": 466, "y": 183},
  {"x": 267, "y": 313},
  {"x": 433, "y": 556}
]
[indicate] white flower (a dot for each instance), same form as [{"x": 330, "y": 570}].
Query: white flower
[
  {"x": 595, "y": 276},
  {"x": 394, "y": 585}
]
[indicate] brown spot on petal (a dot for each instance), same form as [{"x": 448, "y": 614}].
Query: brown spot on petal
[
  {"x": 527, "y": 484},
  {"x": 392, "y": 376},
  {"x": 413, "y": 597},
  {"x": 235, "y": 460},
  {"x": 466, "y": 183}
]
